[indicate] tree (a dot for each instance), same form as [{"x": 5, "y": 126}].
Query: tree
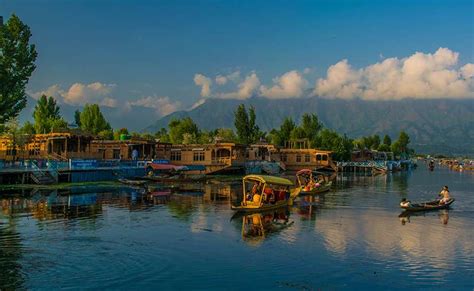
[
  {"x": 311, "y": 126},
  {"x": 77, "y": 118},
  {"x": 400, "y": 146},
  {"x": 341, "y": 146},
  {"x": 17, "y": 63},
  {"x": 28, "y": 128},
  {"x": 93, "y": 121},
  {"x": 284, "y": 134},
  {"x": 162, "y": 135},
  {"x": 387, "y": 140},
  {"x": 179, "y": 127},
  {"x": 245, "y": 123},
  {"x": 18, "y": 138},
  {"x": 226, "y": 134},
  {"x": 46, "y": 114}
]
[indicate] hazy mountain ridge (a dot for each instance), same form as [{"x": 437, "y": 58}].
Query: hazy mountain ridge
[{"x": 441, "y": 126}]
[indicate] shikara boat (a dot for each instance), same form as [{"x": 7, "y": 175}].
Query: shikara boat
[
  {"x": 427, "y": 206},
  {"x": 309, "y": 185},
  {"x": 132, "y": 182},
  {"x": 261, "y": 193}
]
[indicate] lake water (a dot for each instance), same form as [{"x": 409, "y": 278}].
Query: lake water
[{"x": 186, "y": 237}]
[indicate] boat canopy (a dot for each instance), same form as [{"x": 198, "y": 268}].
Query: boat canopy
[
  {"x": 304, "y": 171},
  {"x": 268, "y": 179}
]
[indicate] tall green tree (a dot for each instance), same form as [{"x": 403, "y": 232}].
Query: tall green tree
[
  {"x": 17, "y": 63},
  {"x": 284, "y": 134},
  {"x": 311, "y": 126},
  {"x": 46, "y": 115},
  {"x": 245, "y": 123},
  {"x": 77, "y": 118},
  {"x": 94, "y": 122},
  {"x": 387, "y": 140}
]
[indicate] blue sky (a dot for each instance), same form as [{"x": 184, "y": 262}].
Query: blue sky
[{"x": 154, "y": 49}]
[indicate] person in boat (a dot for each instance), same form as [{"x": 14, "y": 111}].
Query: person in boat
[
  {"x": 405, "y": 203},
  {"x": 445, "y": 195}
]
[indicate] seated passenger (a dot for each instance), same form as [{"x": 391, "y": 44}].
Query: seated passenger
[
  {"x": 445, "y": 194},
  {"x": 256, "y": 199},
  {"x": 405, "y": 203}
]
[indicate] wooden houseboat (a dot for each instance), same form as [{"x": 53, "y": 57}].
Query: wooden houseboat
[{"x": 204, "y": 158}]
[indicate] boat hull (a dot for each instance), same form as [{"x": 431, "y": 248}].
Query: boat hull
[
  {"x": 428, "y": 206},
  {"x": 255, "y": 208}
]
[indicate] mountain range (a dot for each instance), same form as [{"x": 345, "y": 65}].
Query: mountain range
[{"x": 444, "y": 126}]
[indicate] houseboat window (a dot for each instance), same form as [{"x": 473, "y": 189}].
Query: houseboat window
[
  {"x": 198, "y": 156},
  {"x": 116, "y": 154},
  {"x": 318, "y": 157},
  {"x": 298, "y": 158},
  {"x": 175, "y": 156},
  {"x": 325, "y": 157},
  {"x": 284, "y": 158},
  {"x": 307, "y": 158}
]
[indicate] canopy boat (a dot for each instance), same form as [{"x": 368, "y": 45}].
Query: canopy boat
[
  {"x": 426, "y": 206},
  {"x": 261, "y": 192},
  {"x": 310, "y": 185},
  {"x": 132, "y": 182}
]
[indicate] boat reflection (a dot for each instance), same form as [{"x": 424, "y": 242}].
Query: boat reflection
[
  {"x": 308, "y": 205},
  {"x": 258, "y": 226},
  {"x": 405, "y": 216}
]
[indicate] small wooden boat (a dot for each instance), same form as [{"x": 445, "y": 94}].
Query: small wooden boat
[
  {"x": 432, "y": 205},
  {"x": 132, "y": 182},
  {"x": 308, "y": 184},
  {"x": 262, "y": 193}
]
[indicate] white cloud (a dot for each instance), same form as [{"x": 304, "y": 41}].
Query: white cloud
[
  {"x": 80, "y": 94},
  {"x": 245, "y": 90},
  {"x": 417, "y": 76},
  {"x": 289, "y": 85},
  {"x": 205, "y": 83},
  {"x": 162, "y": 105},
  {"x": 233, "y": 77}
]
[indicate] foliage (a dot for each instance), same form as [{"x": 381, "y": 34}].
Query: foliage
[
  {"x": 179, "y": 127},
  {"x": 341, "y": 145},
  {"x": 93, "y": 121},
  {"x": 248, "y": 131},
  {"x": 225, "y": 135},
  {"x": 46, "y": 115},
  {"x": 118, "y": 133},
  {"x": 18, "y": 137},
  {"x": 162, "y": 135},
  {"x": 387, "y": 140},
  {"x": 28, "y": 128},
  {"x": 77, "y": 118},
  {"x": 107, "y": 134},
  {"x": 17, "y": 58},
  {"x": 400, "y": 146}
]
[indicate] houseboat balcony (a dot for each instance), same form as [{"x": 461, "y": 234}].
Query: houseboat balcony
[{"x": 222, "y": 161}]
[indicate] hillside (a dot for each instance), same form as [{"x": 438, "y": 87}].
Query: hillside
[{"x": 435, "y": 126}]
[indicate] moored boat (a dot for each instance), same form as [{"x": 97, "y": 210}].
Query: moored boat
[
  {"x": 426, "y": 206},
  {"x": 261, "y": 193}
]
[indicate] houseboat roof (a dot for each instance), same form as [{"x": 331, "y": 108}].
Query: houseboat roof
[{"x": 269, "y": 179}]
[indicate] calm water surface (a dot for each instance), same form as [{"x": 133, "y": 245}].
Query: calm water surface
[{"x": 187, "y": 237}]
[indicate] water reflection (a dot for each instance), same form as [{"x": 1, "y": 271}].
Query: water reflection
[
  {"x": 258, "y": 226},
  {"x": 163, "y": 229},
  {"x": 405, "y": 216}
]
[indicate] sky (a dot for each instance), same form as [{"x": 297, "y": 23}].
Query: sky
[{"x": 173, "y": 55}]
